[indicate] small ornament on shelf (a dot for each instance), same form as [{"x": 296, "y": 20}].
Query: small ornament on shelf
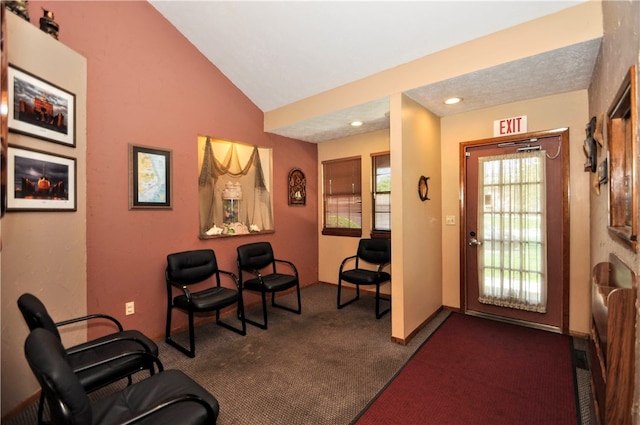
[
  {"x": 48, "y": 25},
  {"x": 19, "y": 7}
]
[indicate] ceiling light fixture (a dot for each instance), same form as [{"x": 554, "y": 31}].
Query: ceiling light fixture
[
  {"x": 453, "y": 100},
  {"x": 356, "y": 123}
]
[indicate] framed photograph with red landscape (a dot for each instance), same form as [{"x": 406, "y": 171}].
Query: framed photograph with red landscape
[
  {"x": 40, "y": 109},
  {"x": 40, "y": 181}
]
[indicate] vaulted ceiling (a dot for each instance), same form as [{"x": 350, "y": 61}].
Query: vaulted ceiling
[{"x": 282, "y": 52}]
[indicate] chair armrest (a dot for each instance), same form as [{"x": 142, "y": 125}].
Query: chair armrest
[
  {"x": 344, "y": 262},
  {"x": 89, "y": 345},
  {"x": 147, "y": 354},
  {"x": 89, "y": 317},
  {"x": 180, "y": 286},
  {"x": 381, "y": 266},
  {"x": 289, "y": 263},
  {"x": 232, "y": 276},
  {"x": 170, "y": 402}
]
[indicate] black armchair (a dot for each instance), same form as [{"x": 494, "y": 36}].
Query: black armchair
[
  {"x": 373, "y": 251},
  {"x": 168, "y": 397},
  {"x": 258, "y": 260},
  {"x": 98, "y": 362},
  {"x": 193, "y": 267}
]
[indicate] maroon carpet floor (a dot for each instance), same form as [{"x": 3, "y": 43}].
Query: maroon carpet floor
[{"x": 478, "y": 371}]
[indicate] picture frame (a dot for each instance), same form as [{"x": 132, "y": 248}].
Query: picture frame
[
  {"x": 297, "y": 187},
  {"x": 40, "y": 181},
  {"x": 150, "y": 177},
  {"x": 40, "y": 109}
]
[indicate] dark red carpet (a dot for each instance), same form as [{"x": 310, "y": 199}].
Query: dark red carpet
[{"x": 479, "y": 371}]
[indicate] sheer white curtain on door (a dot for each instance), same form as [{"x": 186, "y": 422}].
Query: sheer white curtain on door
[{"x": 512, "y": 226}]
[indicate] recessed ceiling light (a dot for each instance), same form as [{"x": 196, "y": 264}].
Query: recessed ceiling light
[
  {"x": 453, "y": 100},
  {"x": 356, "y": 123}
]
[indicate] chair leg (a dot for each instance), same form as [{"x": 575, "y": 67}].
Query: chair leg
[
  {"x": 188, "y": 352},
  {"x": 264, "y": 314},
  {"x": 357, "y": 297},
  {"x": 378, "y": 313},
  {"x": 293, "y": 310},
  {"x": 41, "y": 409},
  {"x": 243, "y": 330}
]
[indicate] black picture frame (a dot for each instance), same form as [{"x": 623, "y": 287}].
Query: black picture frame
[
  {"x": 150, "y": 177},
  {"x": 40, "y": 109},
  {"x": 29, "y": 189}
]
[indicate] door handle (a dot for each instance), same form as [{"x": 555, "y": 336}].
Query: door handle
[{"x": 474, "y": 242}]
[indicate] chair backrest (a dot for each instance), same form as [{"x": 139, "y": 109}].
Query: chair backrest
[
  {"x": 375, "y": 251},
  {"x": 255, "y": 256},
  {"x": 67, "y": 400},
  {"x": 36, "y": 314},
  {"x": 190, "y": 267}
]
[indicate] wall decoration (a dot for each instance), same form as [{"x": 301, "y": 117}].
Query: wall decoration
[
  {"x": 150, "y": 179},
  {"x": 297, "y": 187},
  {"x": 40, "y": 109},
  {"x": 48, "y": 25},
  {"x": 590, "y": 146},
  {"x": 4, "y": 108},
  {"x": 40, "y": 181},
  {"x": 423, "y": 188},
  {"x": 234, "y": 188}
]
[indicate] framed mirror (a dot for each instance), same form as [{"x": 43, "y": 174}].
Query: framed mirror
[
  {"x": 623, "y": 151},
  {"x": 234, "y": 188}
]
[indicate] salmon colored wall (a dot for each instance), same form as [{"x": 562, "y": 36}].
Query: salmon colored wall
[{"x": 148, "y": 85}]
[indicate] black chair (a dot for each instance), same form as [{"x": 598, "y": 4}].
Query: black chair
[
  {"x": 193, "y": 267},
  {"x": 257, "y": 259},
  {"x": 372, "y": 251},
  {"x": 168, "y": 397},
  {"x": 106, "y": 351}
]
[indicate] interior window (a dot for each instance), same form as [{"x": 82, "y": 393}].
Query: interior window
[
  {"x": 381, "y": 194},
  {"x": 342, "y": 197}
]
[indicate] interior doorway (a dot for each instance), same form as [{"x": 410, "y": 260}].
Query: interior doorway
[{"x": 515, "y": 228}]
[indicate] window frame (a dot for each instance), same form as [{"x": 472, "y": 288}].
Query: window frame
[
  {"x": 621, "y": 132},
  {"x": 327, "y": 192},
  {"x": 375, "y": 232}
]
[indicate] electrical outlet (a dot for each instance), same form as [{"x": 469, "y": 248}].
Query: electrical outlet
[{"x": 129, "y": 308}]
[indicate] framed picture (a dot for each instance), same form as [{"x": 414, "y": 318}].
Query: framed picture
[
  {"x": 297, "y": 187},
  {"x": 40, "y": 181},
  {"x": 40, "y": 109},
  {"x": 150, "y": 184}
]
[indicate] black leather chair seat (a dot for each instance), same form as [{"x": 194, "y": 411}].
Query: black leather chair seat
[
  {"x": 208, "y": 299},
  {"x": 258, "y": 262},
  {"x": 109, "y": 347},
  {"x": 270, "y": 283},
  {"x": 168, "y": 397},
  {"x": 151, "y": 392},
  {"x": 365, "y": 277},
  {"x": 373, "y": 251}
]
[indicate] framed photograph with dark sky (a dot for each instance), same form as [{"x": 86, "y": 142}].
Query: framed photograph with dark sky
[
  {"x": 40, "y": 109},
  {"x": 40, "y": 181}
]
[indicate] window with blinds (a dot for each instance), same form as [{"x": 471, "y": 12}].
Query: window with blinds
[
  {"x": 381, "y": 193},
  {"x": 342, "y": 196}
]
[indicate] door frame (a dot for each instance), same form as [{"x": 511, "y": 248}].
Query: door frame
[{"x": 563, "y": 133}]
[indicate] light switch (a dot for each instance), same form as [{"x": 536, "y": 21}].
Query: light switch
[{"x": 451, "y": 220}]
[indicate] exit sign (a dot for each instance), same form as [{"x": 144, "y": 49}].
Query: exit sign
[{"x": 508, "y": 126}]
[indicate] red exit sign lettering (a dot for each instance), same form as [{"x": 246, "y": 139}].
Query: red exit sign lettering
[{"x": 507, "y": 126}]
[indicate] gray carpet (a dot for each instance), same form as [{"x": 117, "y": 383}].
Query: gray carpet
[{"x": 321, "y": 367}]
